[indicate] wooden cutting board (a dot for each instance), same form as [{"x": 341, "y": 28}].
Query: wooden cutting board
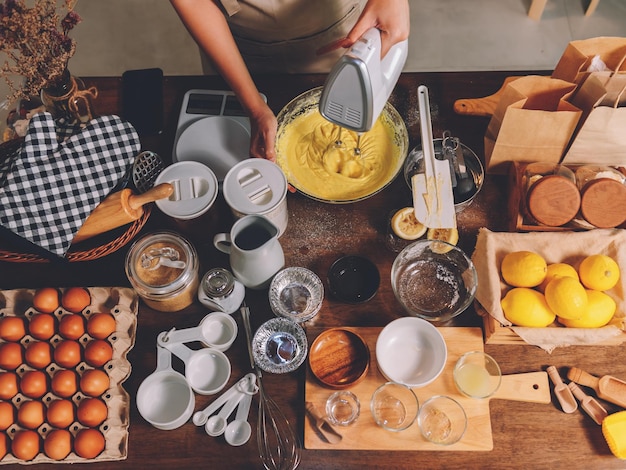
[{"x": 366, "y": 435}]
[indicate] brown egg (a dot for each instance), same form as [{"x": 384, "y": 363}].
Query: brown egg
[
  {"x": 11, "y": 355},
  {"x": 67, "y": 353},
  {"x": 92, "y": 412},
  {"x": 64, "y": 383},
  {"x": 8, "y": 385},
  {"x": 94, "y": 382},
  {"x": 98, "y": 352},
  {"x": 34, "y": 384},
  {"x": 7, "y": 415},
  {"x": 30, "y": 414},
  {"x": 75, "y": 299},
  {"x": 60, "y": 413},
  {"x": 72, "y": 326},
  {"x": 25, "y": 445},
  {"x": 101, "y": 325},
  {"x": 42, "y": 326},
  {"x": 58, "y": 444},
  {"x": 4, "y": 445},
  {"x": 12, "y": 328},
  {"x": 46, "y": 300},
  {"x": 38, "y": 354},
  {"x": 89, "y": 443}
]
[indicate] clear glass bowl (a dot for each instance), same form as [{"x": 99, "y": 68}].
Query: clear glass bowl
[{"x": 433, "y": 280}]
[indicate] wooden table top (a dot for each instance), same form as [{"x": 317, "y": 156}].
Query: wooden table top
[{"x": 525, "y": 435}]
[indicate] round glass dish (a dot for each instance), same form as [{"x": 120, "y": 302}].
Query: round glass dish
[
  {"x": 296, "y": 293},
  {"x": 353, "y": 279},
  {"x": 307, "y": 103},
  {"x": 279, "y": 346}
]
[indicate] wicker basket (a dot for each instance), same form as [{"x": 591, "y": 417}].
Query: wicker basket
[{"x": 81, "y": 252}]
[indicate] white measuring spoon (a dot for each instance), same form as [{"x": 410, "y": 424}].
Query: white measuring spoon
[
  {"x": 216, "y": 330},
  {"x": 207, "y": 370},
  {"x": 239, "y": 431},
  {"x": 216, "y": 425},
  {"x": 201, "y": 417}
]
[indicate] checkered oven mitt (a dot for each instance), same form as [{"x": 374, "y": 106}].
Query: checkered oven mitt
[{"x": 60, "y": 175}]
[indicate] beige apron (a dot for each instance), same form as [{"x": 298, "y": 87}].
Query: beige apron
[{"x": 283, "y": 35}]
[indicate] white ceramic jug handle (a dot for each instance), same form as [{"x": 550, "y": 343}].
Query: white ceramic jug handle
[{"x": 222, "y": 242}]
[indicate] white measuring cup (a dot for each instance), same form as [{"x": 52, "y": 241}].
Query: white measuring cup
[
  {"x": 207, "y": 369},
  {"x": 165, "y": 398},
  {"x": 217, "y": 330}
]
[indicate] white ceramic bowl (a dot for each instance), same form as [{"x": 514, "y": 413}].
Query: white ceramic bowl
[{"x": 411, "y": 351}]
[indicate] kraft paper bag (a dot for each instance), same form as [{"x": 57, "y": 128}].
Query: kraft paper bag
[
  {"x": 578, "y": 59},
  {"x": 532, "y": 122},
  {"x": 601, "y": 137}
]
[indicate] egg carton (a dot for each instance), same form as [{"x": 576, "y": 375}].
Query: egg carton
[{"x": 122, "y": 303}]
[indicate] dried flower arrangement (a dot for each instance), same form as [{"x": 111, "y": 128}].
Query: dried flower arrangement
[{"x": 35, "y": 42}]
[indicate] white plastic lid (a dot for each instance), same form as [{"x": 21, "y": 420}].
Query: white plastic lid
[
  {"x": 195, "y": 189},
  {"x": 254, "y": 186}
]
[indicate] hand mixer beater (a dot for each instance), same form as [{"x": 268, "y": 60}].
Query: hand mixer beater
[{"x": 359, "y": 85}]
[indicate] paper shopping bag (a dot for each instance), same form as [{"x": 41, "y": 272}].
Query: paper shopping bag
[
  {"x": 601, "y": 136},
  {"x": 581, "y": 58},
  {"x": 532, "y": 122}
]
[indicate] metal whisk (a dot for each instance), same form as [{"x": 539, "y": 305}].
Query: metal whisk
[{"x": 277, "y": 443}]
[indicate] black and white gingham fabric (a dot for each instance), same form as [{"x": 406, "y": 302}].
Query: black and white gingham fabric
[{"x": 61, "y": 174}]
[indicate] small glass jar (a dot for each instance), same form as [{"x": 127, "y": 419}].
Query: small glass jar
[
  {"x": 220, "y": 290},
  {"x": 552, "y": 197},
  {"x": 163, "y": 268},
  {"x": 603, "y": 195}
]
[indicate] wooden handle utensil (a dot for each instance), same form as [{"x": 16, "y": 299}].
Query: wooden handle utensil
[
  {"x": 120, "y": 208},
  {"x": 607, "y": 388}
]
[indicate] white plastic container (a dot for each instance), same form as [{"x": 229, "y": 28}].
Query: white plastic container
[{"x": 258, "y": 187}]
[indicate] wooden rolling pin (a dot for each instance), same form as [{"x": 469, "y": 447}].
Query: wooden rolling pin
[
  {"x": 607, "y": 388},
  {"x": 120, "y": 208}
]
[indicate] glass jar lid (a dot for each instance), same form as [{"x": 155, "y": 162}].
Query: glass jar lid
[
  {"x": 218, "y": 283},
  {"x": 161, "y": 264}
]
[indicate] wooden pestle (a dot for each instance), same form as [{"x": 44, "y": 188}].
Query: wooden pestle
[
  {"x": 120, "y": 208},
  {"x": 607, "y": 387}
]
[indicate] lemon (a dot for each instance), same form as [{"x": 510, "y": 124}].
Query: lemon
[
  {"x": 558, "y": 269},
  {"x": 523, "y": 269},
  {"x": 600, "y": 310},
  {"x": 599, "y": 272},
  {"x": 567, "y": 297},
  {"x": 524, "y": 306},
  {"x": 406, "y": 226},
  {"x": 449, "y": 235}
]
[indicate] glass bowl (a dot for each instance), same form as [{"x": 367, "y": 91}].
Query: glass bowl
[
  {"x": 442, "y": 420},
  {"x": 307, "y": 103},
  {"x": 296, "y": 293},
  {"x": 433, "y": 280},
  {"x": 353, "y": 279},
  {"x": 279, "y": 346},
  {"x": 394, "y": 406}
]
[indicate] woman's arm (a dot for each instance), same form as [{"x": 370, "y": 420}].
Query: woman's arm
[{"x": 206, "y": 23}]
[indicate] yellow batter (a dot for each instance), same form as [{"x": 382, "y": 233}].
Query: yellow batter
[{"x": 308, "y": 153}]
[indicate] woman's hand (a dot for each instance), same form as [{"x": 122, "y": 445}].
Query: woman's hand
[{"x": 263, "y": 133}]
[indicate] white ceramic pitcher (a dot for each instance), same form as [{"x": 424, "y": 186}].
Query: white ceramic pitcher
[{"x": 255, "y": 252}]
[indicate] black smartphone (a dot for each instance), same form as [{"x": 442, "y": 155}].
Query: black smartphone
[{"x": 142, "y": 100}]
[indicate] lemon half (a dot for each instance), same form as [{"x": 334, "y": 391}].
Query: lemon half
[{"x": 405, "y": 225}]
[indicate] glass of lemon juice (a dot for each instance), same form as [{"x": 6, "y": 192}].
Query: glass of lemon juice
[{"x": 477, "y": 374}]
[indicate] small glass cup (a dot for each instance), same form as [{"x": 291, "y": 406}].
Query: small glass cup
[
  {"x": 343, "y": 408},
  {"x": 442, "y": 420},
  {"x": 477, "y": 374},
  {"x": 394, "y": 406}
]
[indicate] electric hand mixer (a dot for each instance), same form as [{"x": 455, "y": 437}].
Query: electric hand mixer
[{"x": 360, "y": 83}]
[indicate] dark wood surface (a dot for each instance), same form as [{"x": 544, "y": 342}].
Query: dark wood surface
[{"x": 525, "y": 435}]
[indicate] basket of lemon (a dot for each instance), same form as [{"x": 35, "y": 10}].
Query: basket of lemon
[{"x": 552, "y": 289}]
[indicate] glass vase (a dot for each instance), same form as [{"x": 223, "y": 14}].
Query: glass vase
[{"x": 68, "y": 97}]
